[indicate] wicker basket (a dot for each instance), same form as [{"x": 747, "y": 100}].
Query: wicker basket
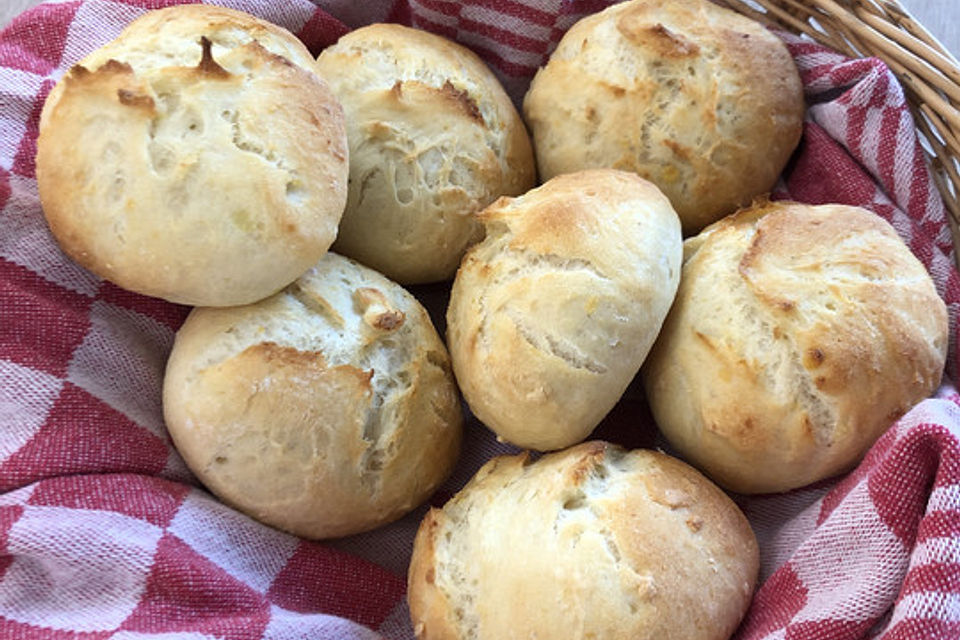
[{"x": 930, "y": 75}]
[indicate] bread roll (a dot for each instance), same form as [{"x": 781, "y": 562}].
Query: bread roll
[
  {"x": 324, "y": 410},
  {"x": 799, "y": 334},
  {"x": 552, "y": 314},
  {"x": 700, "y": 100},
  {"x": 433, "y": 139},
  {"x": 590, "y": 542},
  {"x": 196, "y": 158}
]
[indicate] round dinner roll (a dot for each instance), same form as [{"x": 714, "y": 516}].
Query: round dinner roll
[
  {"x": 799, "y": 335},
  {"x": 700, "y": 100},
  {"x": 590, "y": 542},
  {"x": 551, "y": 316},
  {"x": 433, "y": 139},
  {"x": 197, "y": 158},
  {"x": 325, "y": 410}
]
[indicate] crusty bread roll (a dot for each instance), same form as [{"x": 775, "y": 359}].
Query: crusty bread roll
[
  {"x": 433, "y": 139},
  {"x": 197, "y": 158},
  {"x": 551, "y": 316},
  {"x": 324, "y": 410},
  {"x": 799, "y": 334},
  {"x": 590, "y": 542},
  {"x": 698, "y": 99}
]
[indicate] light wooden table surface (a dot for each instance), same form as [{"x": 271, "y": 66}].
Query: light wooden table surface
[{"x": 940, "y": 17}]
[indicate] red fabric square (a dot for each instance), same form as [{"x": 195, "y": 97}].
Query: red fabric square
[
  {"x": 8, "y": 515},
  {"x": 11, "y": 630},
  {"x": 400, "y": 12},
  {"x": 151, "y": 499},
  {"x": 34, "y": 40},
  {"x": 941, "y": 577},
  {"x": 321, "y": 31},
  {"x": 585, "y": 7},
  {"x": 84, "y": 435},
  {"x": 939, "y": 524},
  {"x": 948, "y": 452},
  {"x": 41, "y": 323},
  {"x": 898, "y": 488},
  {"x": 823, "y": 172},
  {"x": 773, "y": 608},
  {"x": 5, "y": 189},
  {"x": 167, "y": 313},
  {"x": 832, "y": 629},
  {"x": 187, "y": 592},
  {"x": 321, "y": 580}
]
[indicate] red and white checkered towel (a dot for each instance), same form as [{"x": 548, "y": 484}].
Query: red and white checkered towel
[{"x": 105, "y": 534}]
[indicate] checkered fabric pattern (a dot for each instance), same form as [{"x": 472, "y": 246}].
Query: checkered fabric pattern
[{"x": 104, "y": 533}]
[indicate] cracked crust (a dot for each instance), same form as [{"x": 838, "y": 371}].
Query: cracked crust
[
  {"x": 433, "y": 139},
  {"x": 197, "y": 158},
  {"x": 325, "y": 410},
  {"x": 552, "y": 314},
  {"x": 703, "y": 102},
  {"x": 799, "y": 334},
  {"x": 633, "y": 545}
]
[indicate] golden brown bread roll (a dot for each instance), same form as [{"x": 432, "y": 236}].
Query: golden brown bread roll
[
  {"x": 197, "y": 158},
  {"x": 433, "y": 139},
  {"x": 702, "y": 101},
  {"x": 590, "y": 542},
  {"x": 799, "y": 334},
  {"x": 324, "y": 410},
  {"x": 552, "y": 314}
]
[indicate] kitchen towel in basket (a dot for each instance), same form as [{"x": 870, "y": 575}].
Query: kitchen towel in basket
[{"x": 105, "y": 534}]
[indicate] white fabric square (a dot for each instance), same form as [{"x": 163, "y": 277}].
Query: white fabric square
[
  {"x": 26, "y": 241},
  {"x": 249, "y": 551},
  {"x": 26, "y": 397},
  {"x": 10, "y": 144},
  {"x": 121, "y": 361},
  {"x": 95, "y": 24},
  {"x": 75, "y": 569},
  {"x": 782, "y": 523},
  {"x": 17, "y": 98},
  {"x": 170, "y": 635},
  {"x": 287, "y": 625},
  {"x": 869, "y": 144},
  {"x": 853, "y": 565},
  {"x": 290, "y": 16}
]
